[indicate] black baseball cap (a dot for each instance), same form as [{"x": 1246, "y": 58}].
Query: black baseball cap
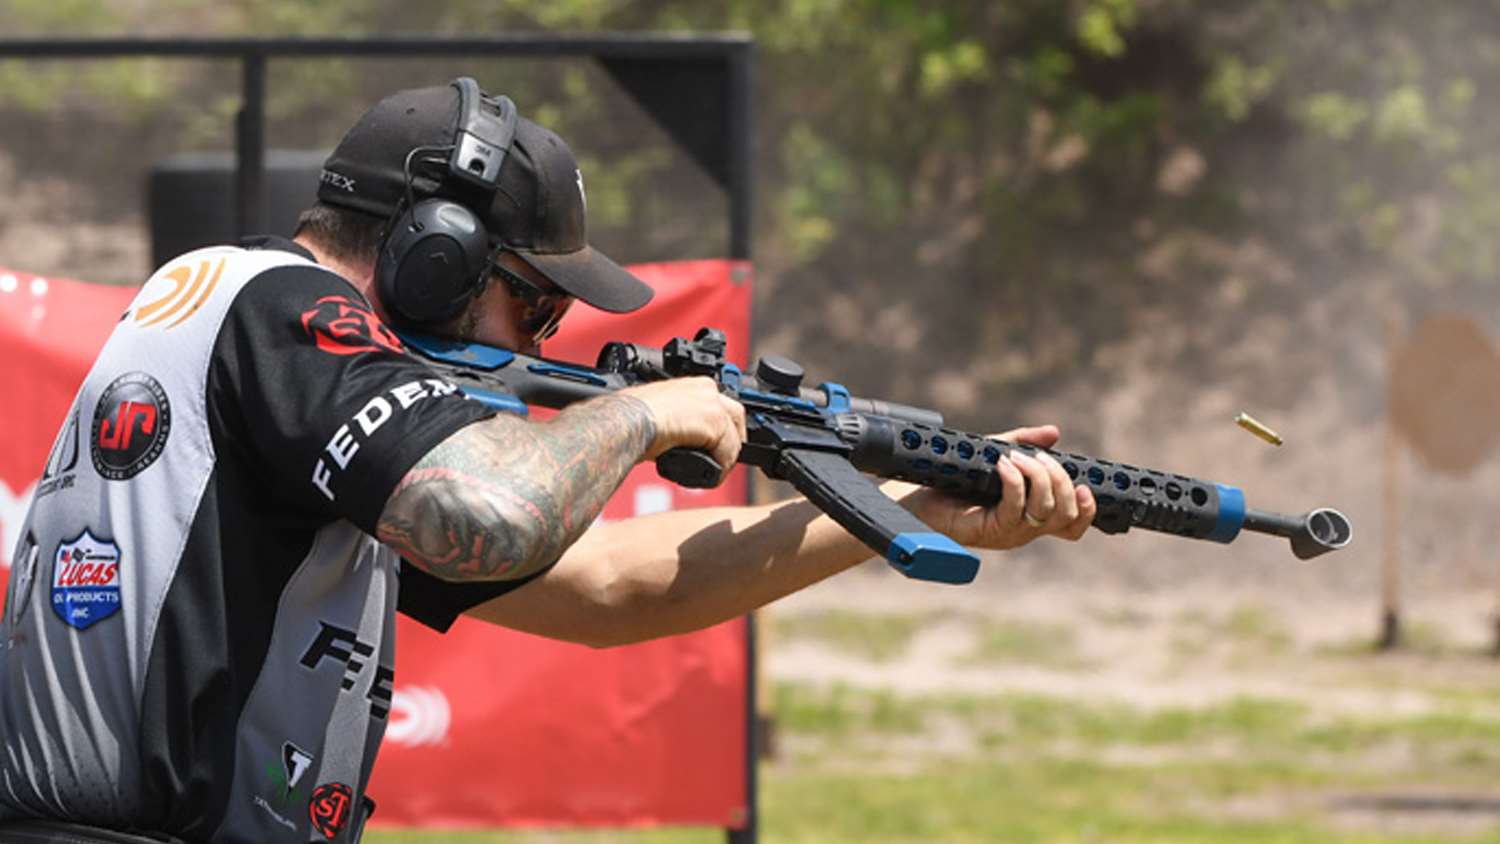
[{"x": 536, "y": 211}]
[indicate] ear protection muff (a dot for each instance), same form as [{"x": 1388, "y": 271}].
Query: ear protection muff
[
  {"x": 435, "y": 254},
  {"x": 433, "y": 261}
]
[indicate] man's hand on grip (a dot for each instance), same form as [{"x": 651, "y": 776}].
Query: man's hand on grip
[{"x": 692, "y": 413}]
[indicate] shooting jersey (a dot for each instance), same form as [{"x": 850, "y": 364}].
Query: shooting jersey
[{"x": 199, "y": 630}]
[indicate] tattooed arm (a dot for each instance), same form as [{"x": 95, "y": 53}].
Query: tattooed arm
[
  {"x": 668, "y": 573},
  {"x": 504, "y": 498}
]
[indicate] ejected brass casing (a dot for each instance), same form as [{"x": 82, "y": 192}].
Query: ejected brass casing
[{"x": 1251, "y": 424}]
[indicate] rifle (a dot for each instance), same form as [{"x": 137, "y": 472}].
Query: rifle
[{"x": 821, "y": 439}]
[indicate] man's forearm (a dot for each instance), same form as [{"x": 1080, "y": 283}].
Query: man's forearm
[
  {"x": 673, "y": 572},
  {"x": 503, "y": 498}
]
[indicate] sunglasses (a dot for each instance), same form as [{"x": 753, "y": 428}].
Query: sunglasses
[{"x": 544, "y": 308}]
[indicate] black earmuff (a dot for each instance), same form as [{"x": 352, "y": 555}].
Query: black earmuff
[
  {"x": 435, "y": 253},
  {"x": 432, "y": 262}
]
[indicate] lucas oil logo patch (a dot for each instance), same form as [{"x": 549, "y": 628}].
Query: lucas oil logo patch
[{"x": 86, "y": 580}]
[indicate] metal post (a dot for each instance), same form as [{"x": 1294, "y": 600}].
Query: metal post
[
  {"x": 1389, "y": 635},
  {"x": 741, "y": 130},
  {"x": 740, "y": 206},
  {"x": 250, "y": 146},
  {"x": 750, "y": 832}
]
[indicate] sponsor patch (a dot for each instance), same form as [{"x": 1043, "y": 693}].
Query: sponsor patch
[
  {"x": 190, "y": 289},
  {"x": 275, "y": 815},
  {"x": 330, "y": 807},
  {"x": 23, "y": 576},
  {"x": 344, "y": 646},
  {"x": 294, "y": 763},
  {"x": 86, "y": 580},
  {"x": 340, "y": 325},
  {"x": 338, "y": 180},
  {"x": 131, "y": 424},
  {"x": 58, "y": 473},
  {"x": 345, "y": 442}
]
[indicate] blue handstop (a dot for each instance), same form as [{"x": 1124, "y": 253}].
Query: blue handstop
[
  {"x": 1231, "y": 514},
  {"x": 932, "y": 556}
]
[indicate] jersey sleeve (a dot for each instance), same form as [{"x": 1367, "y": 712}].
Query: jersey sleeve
[
  {"x": 437, "y": 603},
  {"x": 322, "y": 397}
]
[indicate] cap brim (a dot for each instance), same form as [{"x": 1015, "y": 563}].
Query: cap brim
[{"x": 592, "y": 277}]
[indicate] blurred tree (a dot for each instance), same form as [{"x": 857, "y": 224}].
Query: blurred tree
[{"x": 1017, "y": 188}]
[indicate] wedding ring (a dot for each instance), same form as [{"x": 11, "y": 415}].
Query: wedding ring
[{"x": 1030, "y": 519}]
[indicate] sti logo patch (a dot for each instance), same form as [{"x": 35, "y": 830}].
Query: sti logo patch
[
  {"x": 86, "y": 580},
  {"x": 331, "y": 805},
  {"x": 131, "y": 424}
]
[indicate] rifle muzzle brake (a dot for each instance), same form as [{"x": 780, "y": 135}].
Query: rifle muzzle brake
[{"x": 1313, "y": 533}]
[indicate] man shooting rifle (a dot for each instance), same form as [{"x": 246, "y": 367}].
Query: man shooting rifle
[{"x": 273, "y": 477}]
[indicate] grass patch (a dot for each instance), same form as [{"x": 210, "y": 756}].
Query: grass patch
[
  {"x": 1021, "y": 720},
  {"x": 1258, "y": 628},
  {"x": 878, "y": 637},
  {"x": 1245, "y": 625},
  {"x": 839, "y": 711},
  {"x": 1121, "y": 616},
  {"x": 1262, "y": 729},
  {"x": 1418, "y": 638},
  {"x": 1000, "y": 641}
]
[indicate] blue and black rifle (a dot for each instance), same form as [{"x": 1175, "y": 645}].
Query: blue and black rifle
[{"x": 824, "y": 442}]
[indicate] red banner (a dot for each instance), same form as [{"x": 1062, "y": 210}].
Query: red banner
[{"x": 489, "y": 727}]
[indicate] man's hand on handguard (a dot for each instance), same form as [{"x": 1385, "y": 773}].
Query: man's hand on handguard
[
  {"x": 692, "y": 413},
  {"x": 1052, "y": 506}
]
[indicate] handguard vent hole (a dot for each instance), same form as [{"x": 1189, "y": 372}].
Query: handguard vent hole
[
  {"x": 1200, "y": 496},
  {"x": 939, "y": 445},
  {"x": 911, "y": 439},
  {"x": 1122, "y": 481},
  {"x": 965, "y": 449},
  {"x": 1096, "y": 476},
  {"x": 1174, "y": 491}
]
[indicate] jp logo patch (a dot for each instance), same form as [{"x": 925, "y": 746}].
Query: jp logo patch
[
  {"x": 86, "y": 580},
  {"x": 131, "y": 423}
]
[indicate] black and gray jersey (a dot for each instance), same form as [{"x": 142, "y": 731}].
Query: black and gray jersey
[{"x": 199, "y": 627}]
